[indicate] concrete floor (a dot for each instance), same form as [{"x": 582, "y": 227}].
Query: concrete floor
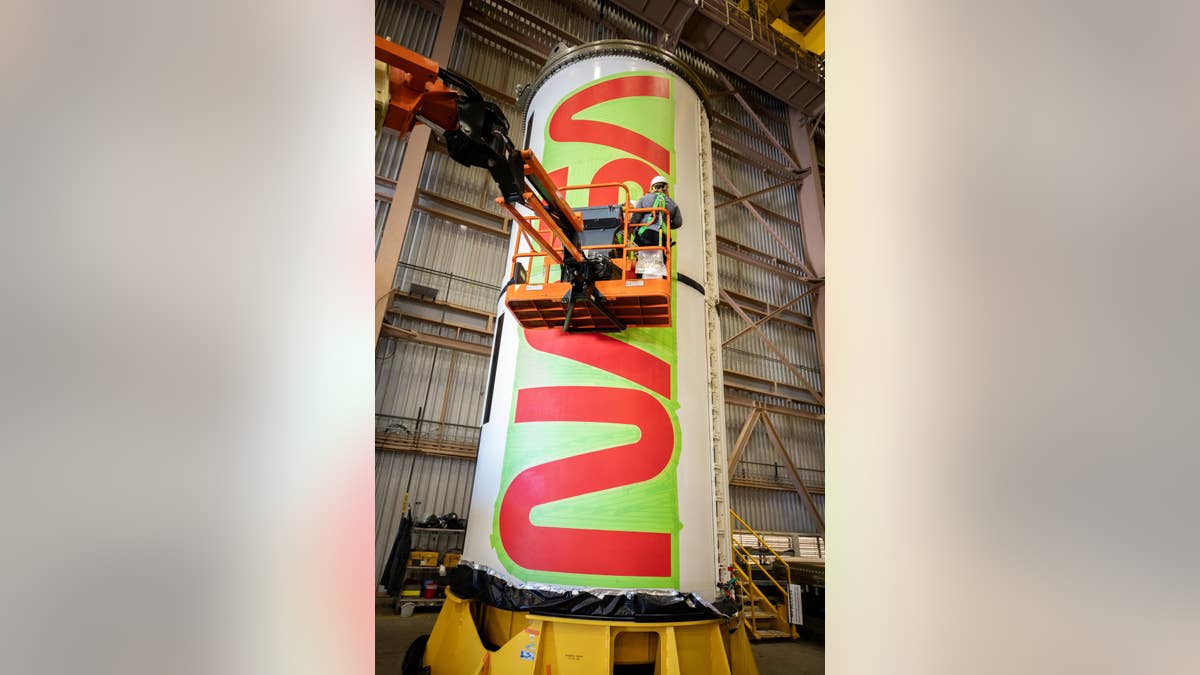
[{"x": 394, "y": 634}]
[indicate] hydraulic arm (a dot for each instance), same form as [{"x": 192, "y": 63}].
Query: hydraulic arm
[
  {"x": 411, "y": 88},
  {"x": 475, "y": 130}
]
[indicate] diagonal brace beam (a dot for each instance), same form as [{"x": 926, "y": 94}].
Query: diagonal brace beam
[
  {"x": 801, "y": 489},
  {"x": 729, "y": 187},
  {"x": 738, "y": 200},
  {"x": 770, "y": 136},
  {"x": 773, "y": 347},
  {"x": 743, "y": 438},
  {"x": 775, "y": 312}
]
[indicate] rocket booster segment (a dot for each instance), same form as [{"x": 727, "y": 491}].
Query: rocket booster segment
[{"x": 597, "y": 452}]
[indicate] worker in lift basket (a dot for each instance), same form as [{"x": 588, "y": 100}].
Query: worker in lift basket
[{"x": 651, "y": 264}]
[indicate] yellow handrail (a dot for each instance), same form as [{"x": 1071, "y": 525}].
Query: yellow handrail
[
  {"x": 745, "y": 576},
  {"x": 752, "y": 559},
  {"x": 747, "y": 580},
  {"x": 756, "y": 535},
  {"x": 753, "y": 597}
]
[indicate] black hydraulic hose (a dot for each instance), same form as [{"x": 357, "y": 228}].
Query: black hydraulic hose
[
  {"x": 460, "y": 82},
  {"x": 688, "y": 281}
]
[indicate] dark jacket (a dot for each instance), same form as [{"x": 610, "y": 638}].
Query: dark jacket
[{"x": 647, "y": 201}]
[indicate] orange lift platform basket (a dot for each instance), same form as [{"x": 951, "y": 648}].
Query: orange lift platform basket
[{"x": 579, "y": 269}]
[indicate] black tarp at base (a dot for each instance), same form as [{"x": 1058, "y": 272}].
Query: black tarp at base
[
  {"x": 392, "y": 578},
  {"x": 472, "y": 583}
]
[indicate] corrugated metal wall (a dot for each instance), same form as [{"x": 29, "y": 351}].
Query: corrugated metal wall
[
  {"x": 415, "y": 380},
  {"x": 805, "y": 439},
  {"x": 440, "y": 485},
  {"x": 774, "y": 510},
  {"x": 415, "y": 27},
  {"x": 439, "y": 386},
  {"x": 407, "y": 23}
]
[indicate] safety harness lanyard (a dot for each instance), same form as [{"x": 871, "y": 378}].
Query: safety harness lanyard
[{"x": 660, "y": 202}]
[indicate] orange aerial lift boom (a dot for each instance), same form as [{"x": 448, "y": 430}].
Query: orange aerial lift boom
[
  {"x": 593, "y": 292},
  {"x": 475, "y": 130}
]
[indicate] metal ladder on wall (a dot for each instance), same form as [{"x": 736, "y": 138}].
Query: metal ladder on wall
[{"x": 765, "y": 618}]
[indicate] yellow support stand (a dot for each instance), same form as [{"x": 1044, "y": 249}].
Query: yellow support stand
[{"x": 529, "y": 644}]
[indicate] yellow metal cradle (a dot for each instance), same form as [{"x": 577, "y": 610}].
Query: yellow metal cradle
[{"x": 530, "y": 644}]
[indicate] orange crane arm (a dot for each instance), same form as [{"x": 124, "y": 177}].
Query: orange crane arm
[
  {"x": 417, "y": 91},
  {"x": 476, "y": 134}
]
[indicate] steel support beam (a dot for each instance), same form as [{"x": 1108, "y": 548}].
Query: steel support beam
[
  {"x": 811, "y": 195},
  {"x": 405, "y": 312},
  {"x": 450, "y": 217},
  {"x": 586, "y": 10},
  {"x": 755, "y": 306},
  {"x": 759, "y": 193},
  {"x": 801, "y": 488},
  {"x": 538, "y": 21},
  {"x": 726, "y": 120},
  {"x": 424, "y": 446},
  {"x": 443, "y": 305},
  {"x": 770, "y": 212},
  {"x": 432, "y": 5},
  {"x": 451, "y": 370},
  {"x": 743, "y": 438},
  {"x": 747, "y": 153},
  {"x": 395, "y": 226},
  {"x": 772, "y": 314},
  {"x": 743, "y": 402},
  {"x": 766, "y": 387},
  {"x": 803, "y": 264},
  {"x": 484, "y": 215},
  {"x": 812, "y": 213},
  {"x": 720, "y": 94},
  {"x": 522, "y": 46},
  {"x": 487, "y": 331},
  {"x": 435, "y": 340},
  {"x": 774, "y": 348},
  {"x": 731, "y": 386},
  {"x": 736, "y": 249},
  {"x": 767, "y": 134},
  {"x": 437, "y": 205},
  {"x": 668, "y": 36}
]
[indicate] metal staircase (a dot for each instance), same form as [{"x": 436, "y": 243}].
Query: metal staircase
[{"x": 764, "y": 593}]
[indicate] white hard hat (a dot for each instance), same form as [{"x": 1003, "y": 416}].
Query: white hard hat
[{"x": 656, "y": 180}]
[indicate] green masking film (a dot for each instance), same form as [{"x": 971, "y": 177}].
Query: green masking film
[{"x": 622, "y": 121}]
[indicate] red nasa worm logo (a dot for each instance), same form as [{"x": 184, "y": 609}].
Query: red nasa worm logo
[{"x": 582, "y": 550}]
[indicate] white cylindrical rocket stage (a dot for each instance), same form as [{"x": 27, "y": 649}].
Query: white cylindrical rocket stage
[{"x": 599, "y": 456}]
